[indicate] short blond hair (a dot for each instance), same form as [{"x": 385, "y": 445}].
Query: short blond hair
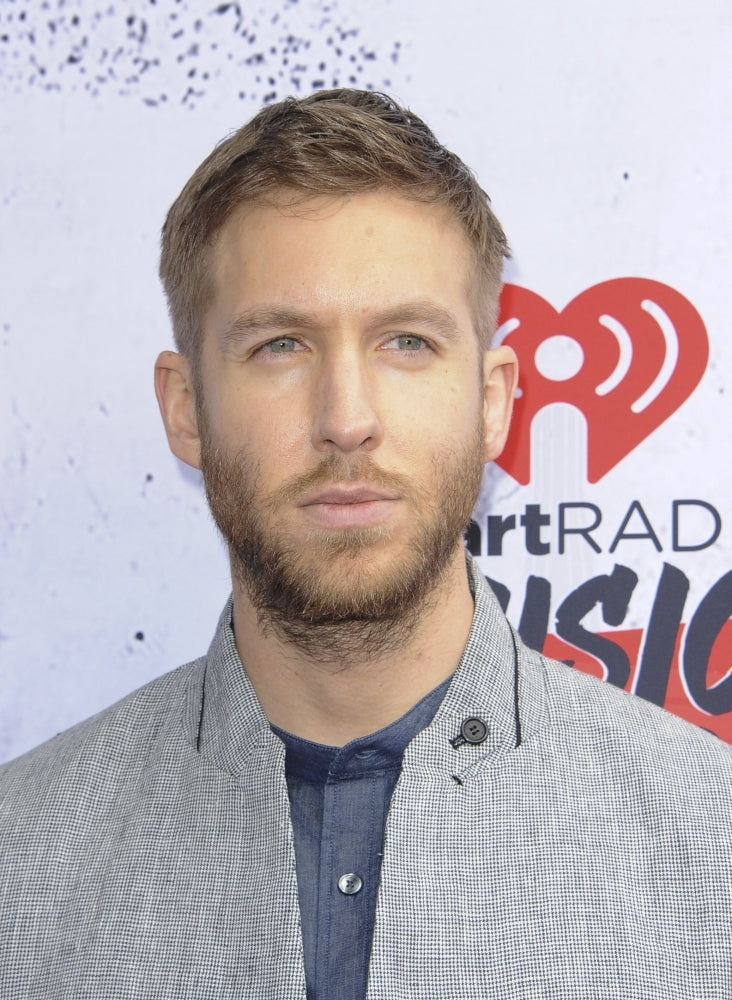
[{"x": 338, "y": 142}]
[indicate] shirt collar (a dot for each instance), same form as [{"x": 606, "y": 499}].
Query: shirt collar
[{"x": 368, "y": 755}]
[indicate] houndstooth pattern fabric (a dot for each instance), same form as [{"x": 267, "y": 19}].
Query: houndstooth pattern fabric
[{"x": 147, "y": 853}]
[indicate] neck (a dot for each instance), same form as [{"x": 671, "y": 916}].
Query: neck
[{"x": 363, "y": 686}]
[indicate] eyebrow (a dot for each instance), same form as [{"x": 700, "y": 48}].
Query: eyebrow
[
  {"x": 252, "y": 321},
  {"x": 422, "y": 312},
  {"x": 419, "y": 311}
]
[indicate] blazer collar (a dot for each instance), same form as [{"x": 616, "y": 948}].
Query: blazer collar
[{"x": 495, "y": 682}]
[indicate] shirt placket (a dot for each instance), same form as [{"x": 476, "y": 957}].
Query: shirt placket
[{"x": 348, "y": 882}]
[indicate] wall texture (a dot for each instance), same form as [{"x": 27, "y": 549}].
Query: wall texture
[{"x": 601, "y": 131}]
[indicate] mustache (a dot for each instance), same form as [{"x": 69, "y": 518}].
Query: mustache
[{"x": 340, "y": 469}]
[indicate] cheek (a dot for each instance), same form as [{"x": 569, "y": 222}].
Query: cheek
[
  {"x": 268, "y": 434},
  {"x": 460, "y": 401},
  {"x": 437, "y": 426}
]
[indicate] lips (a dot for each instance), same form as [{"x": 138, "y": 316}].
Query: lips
[
  {"x": 348, "y": 494},
  {"x": 346, "y": 506}
]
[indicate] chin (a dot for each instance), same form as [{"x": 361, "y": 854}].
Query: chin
[{"x": 348, "y": 542}]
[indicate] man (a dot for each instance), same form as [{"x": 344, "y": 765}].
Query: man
[{"x": 368, "y": 787}]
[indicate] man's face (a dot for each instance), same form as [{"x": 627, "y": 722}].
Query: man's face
[{"x": 341, "y": 411}]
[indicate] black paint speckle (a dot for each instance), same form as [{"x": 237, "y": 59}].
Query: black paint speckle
[
  {"x": 140, "y": 636},
  {"x": 146, "y": 482},
  {"x": 154, "y": 51}
]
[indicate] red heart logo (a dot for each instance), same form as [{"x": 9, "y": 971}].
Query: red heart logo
[{"x": 640, "y": 349}]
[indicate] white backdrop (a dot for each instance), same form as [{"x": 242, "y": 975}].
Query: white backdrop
[{"x": 601, "y": 131}]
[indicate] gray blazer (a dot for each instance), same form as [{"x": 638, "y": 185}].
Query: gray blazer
[{"x": 581, "y": 851}]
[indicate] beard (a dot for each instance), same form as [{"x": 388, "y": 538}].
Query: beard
[{"x": 340, "y": 596}]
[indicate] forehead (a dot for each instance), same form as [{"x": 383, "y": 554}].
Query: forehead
[{"x": 341, "y": 252}]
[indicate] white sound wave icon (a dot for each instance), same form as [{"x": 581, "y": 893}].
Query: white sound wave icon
[
  {"x": 625, "y": 344},
  {"x": 626, "y": 355},
  {"x": 504, "y": 329}
]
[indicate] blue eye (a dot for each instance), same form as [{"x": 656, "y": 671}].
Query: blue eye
[
  {"x": 408, "y": 342},
  {"x": 283, "y": 345}
]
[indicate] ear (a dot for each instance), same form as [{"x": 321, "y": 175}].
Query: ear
[
  {"x": 177, "y": 402},
  {"x": 500, "y": 379}
]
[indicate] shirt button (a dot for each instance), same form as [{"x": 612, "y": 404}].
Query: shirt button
[
  {"x": 474, "y": 731},
  {"x": 350, "y": 884}
]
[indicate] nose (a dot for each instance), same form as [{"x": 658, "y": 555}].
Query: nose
[{"x": 346, "y": 418}]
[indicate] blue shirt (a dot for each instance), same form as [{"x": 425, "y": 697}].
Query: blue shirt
[{"x": 339, "y": 799}]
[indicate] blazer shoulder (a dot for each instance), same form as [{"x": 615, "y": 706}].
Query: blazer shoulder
[
  {"x": 114, "y": 741},
  {"x": 585, "y": 712}
]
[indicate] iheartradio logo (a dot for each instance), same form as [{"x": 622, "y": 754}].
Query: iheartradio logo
[{"x": 626, "y": 353}]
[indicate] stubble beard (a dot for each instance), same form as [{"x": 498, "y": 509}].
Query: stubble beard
[{"x": 340, "y": 596}]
